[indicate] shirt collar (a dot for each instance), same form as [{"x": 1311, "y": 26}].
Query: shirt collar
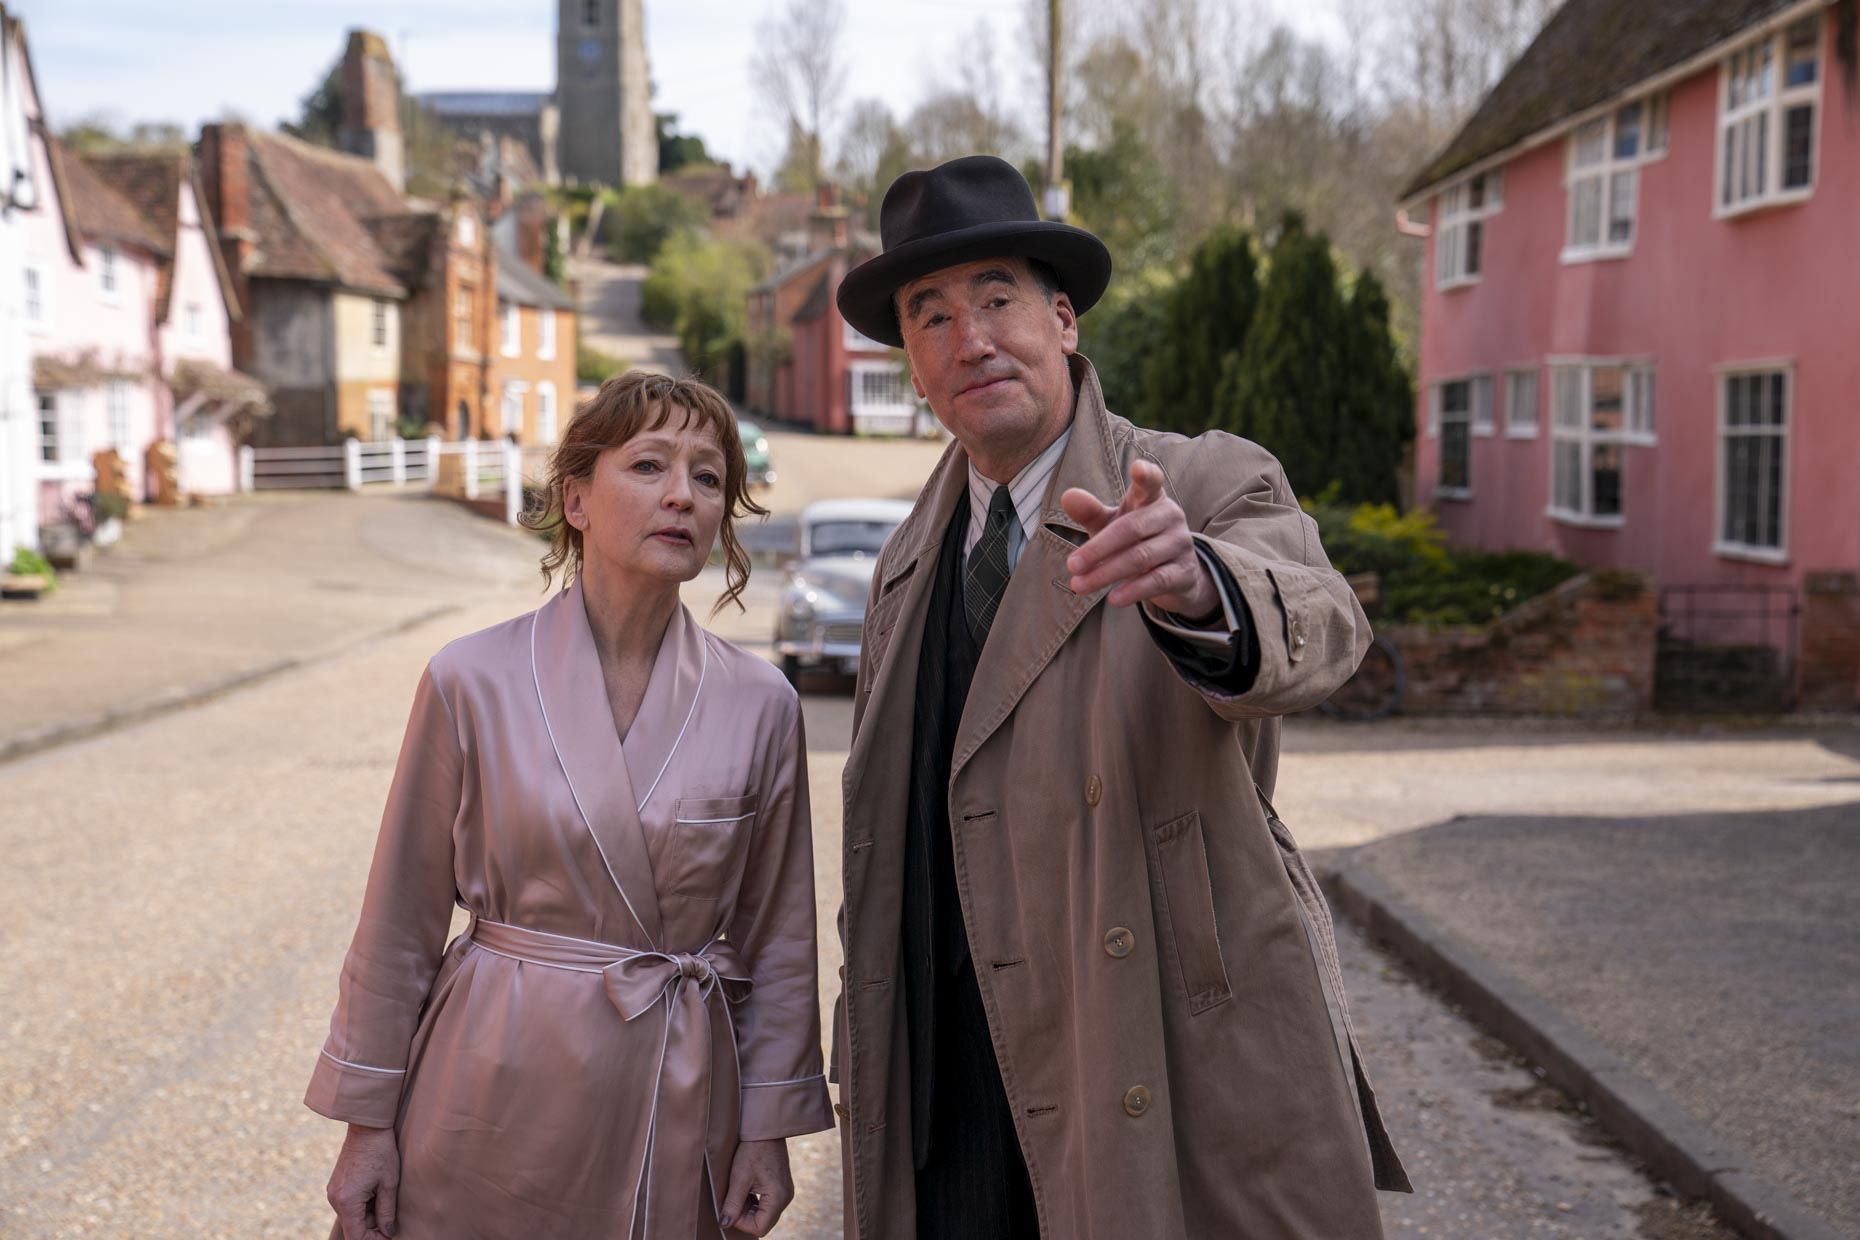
[{"x": 1028, "y": 488}]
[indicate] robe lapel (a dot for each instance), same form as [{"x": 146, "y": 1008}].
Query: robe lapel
[
  {"x": 665, "y": 713},
  {"x": 1040, "y": 611},
  {"x": 580, "y": 724}
]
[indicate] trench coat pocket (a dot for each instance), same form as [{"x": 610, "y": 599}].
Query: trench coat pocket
[
  {"x": 1390, "y": 1176},
  {"x": 1184, "y": 896},
  {"x": 710, "y": 840}
]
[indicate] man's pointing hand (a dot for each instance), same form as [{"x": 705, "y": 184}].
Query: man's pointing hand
[{"x": 1142, "y": 548}]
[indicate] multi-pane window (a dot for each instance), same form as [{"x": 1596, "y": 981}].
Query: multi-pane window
[
  {"x": 35, "y": 295},
  {"x": 513, "y": 329},
  {"x": 1766, "y": 118},
  {"x": 468, "y": 230},
  {"x": 545, "y": 412},
  {"x": 1753, "y": 473},
  {"x": 1459, "y": 246},
  {"x": 379, "y": 331},
  {"x": 590, "y": 13},
  {"x": 513, "y": 406},
  {"x": 194, "y": 323},
  {"x": 1460, "y": 405},
  {"x": 1521, "y": 404},
  {"x": 116, "y": 406},
  {"x": 877, "y": 385},
  {"x": 106, "y": 268},
  {"x": 50, "y": 450},
  {"x": 1596, "y": 411},
  {"x": 545, "y": 335},
  {"x": 461, "y": 320},
  {"x": 1605, "y": 155}
]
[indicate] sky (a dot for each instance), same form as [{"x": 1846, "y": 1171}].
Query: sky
[{"x": 190, "y": 61}]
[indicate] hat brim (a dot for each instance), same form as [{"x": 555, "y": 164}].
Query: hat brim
[{"x": 1080, "y": 260}]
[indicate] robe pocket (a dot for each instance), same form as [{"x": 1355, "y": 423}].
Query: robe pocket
[
  {"x": 710, "y": 839},
  {"x": 1184, "y": 897}
]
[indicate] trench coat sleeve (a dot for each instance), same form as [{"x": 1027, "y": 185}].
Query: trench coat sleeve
[
  {"x": 1309, "y": 629},
  {"x": 778, "y": 1025},
  {"x": 400, "y": 938}
]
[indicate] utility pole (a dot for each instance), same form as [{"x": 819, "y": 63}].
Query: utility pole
[{"x": 1056, "y": 196}]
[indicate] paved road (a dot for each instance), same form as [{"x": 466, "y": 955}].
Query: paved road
[
  {"x": 609, "y": 311},
  {"x": 179, "y": 895}
]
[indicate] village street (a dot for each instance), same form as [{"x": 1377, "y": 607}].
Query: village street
[{"x": 181, "y": 891}]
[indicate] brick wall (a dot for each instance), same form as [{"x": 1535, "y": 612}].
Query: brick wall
[
  {"x": 1584, "y": 648},
  {"x": 1829, "y": 667}
]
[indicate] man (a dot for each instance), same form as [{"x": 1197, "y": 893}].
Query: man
[{"x": 1089, "y": 989}]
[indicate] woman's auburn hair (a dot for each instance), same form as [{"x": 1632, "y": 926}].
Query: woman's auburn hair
[{"x": 643, "y": 400}]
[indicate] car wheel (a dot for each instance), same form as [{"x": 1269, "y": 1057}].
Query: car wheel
[{"x": 791, "y": 668}]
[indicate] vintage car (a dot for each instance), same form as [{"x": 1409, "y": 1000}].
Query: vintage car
[
  {"x": 756, "y": 453},
  {"x": 823, "y": 600}
]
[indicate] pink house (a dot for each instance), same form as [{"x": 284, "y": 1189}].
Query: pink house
[{"x": 1638, "y": 343}]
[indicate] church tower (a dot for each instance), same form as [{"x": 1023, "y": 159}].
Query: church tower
[{"x": 603, "y": 94}]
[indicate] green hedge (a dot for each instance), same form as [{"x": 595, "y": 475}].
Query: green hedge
[{"x": 1424, "y": 581}]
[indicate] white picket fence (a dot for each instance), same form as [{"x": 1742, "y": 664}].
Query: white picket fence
[{"x": 484, "y": 468}]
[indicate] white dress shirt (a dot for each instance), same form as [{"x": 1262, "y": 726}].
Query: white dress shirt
[{"x": 1028, "y": 489}]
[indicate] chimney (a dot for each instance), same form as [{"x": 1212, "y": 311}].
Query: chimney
[
  {"x": 827, "y": 226},
  {"x": 226, "y": 179},
  {"x": 532, "y": 223},
  {"x": 371, "y": 106}
]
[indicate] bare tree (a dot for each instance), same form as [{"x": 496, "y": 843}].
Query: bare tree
[{"x": 799, "y": 74}]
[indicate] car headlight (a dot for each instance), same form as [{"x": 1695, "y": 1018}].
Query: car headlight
[{"x": 800, "y": 607}]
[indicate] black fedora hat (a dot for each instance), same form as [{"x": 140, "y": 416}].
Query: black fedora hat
[{"x": 967, "y": 209}]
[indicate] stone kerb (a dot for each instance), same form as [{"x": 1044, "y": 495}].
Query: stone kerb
[{"x": 1583, "y": 648}]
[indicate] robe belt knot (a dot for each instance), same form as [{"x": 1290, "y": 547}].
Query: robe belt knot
[{"x": 697, "y": 1070}]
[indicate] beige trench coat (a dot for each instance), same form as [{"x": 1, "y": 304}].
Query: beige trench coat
[
  {"x": 638, "y": 988},
  {"x": 1152, "y": 957}
]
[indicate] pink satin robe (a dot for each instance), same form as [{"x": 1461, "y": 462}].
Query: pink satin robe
[{"x": 643, "y": 932}]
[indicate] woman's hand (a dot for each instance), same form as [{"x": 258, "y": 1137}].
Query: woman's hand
[
  {"x": 760, "y": 1170},
  {"x": 364, "y": 1187}
]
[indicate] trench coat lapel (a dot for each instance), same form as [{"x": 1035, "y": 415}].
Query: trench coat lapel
[
  {"x": 1039, "y": 610},
  {"x": 895, "y": 685},
  {"x": 580, "y": 724}
]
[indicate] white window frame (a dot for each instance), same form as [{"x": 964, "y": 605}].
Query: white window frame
[
  {"x": 1513, "y": 374},
  {"x": 510, "y": 406},
  {"x": 51, "y": 428},
  {"x": 193, "y": 320},
  {"x": 381, "y": 413},
  {"x": 1458, "y": 219},
  {"x": 1608, "y": 174},
  {"x": 511, "y": 320},
  {"x": 857, "y": 373},
  {"x": 1639, "y": 411},
  {"x": 378, "y": 335},
  {"x": 35, "y": 285},
  {"x": 1766, "y": 115},
  {"x": 109, "y": 275},
  {"x": 1722, "y": 546},
  {"x": 116, "y": 414},
  {"x": 468, "y": 230},
  {"x": 545, "y": 334},
  {"x": 546, "y": 428},
  {"x": 1478, "y": 397}
]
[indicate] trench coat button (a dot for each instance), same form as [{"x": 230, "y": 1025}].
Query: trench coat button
[
  {"x": 1118, "y": 941},
  {"x": 839, "y": 1109},
  {"x": 842, "y": 973},
  {"x": 1137, "y": 1101},
  {"x": 1094, "y": 790},
  {"x": 1298, "y": 633}
]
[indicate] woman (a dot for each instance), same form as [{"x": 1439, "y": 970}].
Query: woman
[{"x": 629, "y": 1030}]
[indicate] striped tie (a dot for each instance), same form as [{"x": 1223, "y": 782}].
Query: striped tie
[{"x": 987, "y": 576}]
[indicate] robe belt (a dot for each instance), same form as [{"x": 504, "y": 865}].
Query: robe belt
[{"x": 697, "y": 1069}]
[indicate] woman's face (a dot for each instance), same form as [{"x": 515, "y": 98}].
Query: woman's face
[{"x": 652, "y": 505}]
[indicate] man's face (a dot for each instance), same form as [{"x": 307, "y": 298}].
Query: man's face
[{"x": 988, "y": 350}]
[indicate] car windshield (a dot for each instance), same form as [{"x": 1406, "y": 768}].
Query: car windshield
[{"x": 848, "y": 537}]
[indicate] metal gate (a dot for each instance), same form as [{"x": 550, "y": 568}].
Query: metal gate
[{"x": 1728, "y": 648}]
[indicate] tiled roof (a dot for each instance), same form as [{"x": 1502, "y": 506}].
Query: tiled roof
[
  {"x": 151, "y": 184},
  {"x": 517, "y": 282},
  {"x": 1590, "y": 52},
  {"x": 310, "y": 208},
  {"x": 406, "y": 243},
  {"x": 484, "y": 102},
  {"x": 100, "y": 212}
]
